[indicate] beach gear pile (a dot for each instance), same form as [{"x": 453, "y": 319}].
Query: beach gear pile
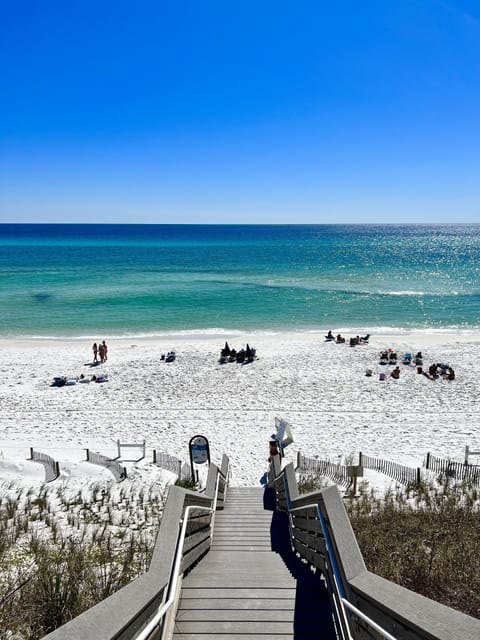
[
  {"x": 68, "y": 381},
  {"x": 243, "y": 356}
]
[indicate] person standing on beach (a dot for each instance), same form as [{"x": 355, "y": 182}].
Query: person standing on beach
[
  {"x": 101, "y": 353},
  {"x": 95, "y": 351},
  {"x": 105, "y": 350}
]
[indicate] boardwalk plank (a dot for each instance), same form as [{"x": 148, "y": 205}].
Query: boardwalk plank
[
  {"x": 236, "y": 592},
  {"x": 219, "y": 626},
  {"x": 236, "y": 615},
  {"x": 238, "y": 603},
  {"x": 232, "y": 636}
]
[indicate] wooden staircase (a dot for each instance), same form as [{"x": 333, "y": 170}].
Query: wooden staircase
[{"x": 250, "y": 584}]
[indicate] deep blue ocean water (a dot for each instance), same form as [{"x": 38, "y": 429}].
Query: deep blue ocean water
[{"x": 115, "y": 280}]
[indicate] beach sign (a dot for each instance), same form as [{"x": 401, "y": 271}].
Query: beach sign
[
  {"x": 284, "y": 435},
  {"x": 199, "y": 451}
]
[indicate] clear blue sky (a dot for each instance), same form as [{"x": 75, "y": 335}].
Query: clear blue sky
[{"x": 237, "y": 112}]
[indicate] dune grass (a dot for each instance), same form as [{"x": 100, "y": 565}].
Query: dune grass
[
  {"x": 63, "y": 552},
  {"x": 424, "y": 537}
]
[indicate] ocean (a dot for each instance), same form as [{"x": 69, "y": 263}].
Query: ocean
[{"x": 149, "y": 280}]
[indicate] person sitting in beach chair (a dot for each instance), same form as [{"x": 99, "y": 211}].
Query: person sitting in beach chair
[
  {"x": 384, "y": 357},
  {"x": 433, "y": 372},
  {"x": 365, "y": 339},
  {"x": 449, "y": 374},
  {"x": 407, "y": 358},
  {"x": 396, "y": 373},
  {"x": 354, "y": 341},
  {"x": 329, "y": 337},
  {"x": 339, "y": 339},
  {"x": 419, "y": 359},
  {"x": 392, "y": 359}
]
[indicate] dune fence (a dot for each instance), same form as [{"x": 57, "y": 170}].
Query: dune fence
[
  {"x": 52, "y": 468},
  {"x": 340, "y": 474},
  {"x": 453, "y": 469},
  {"x": 118, "y": 471},
  {"x": 399, "y": 472},
  {"x": 173, "y": 464}
]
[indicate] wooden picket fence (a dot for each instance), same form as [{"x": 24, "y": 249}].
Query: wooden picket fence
[
  {"x": 52, "y": 468},
  {"x": 453, "y": 469},
  {"x": 118, "y": 470},
  {"x": 399, "y": 472},
  {"x": 336, "y": 472},
  {"x": 173, "y": 464}
]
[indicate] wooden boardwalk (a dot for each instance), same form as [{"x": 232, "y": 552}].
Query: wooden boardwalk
[{"x": 250, "y": 584}]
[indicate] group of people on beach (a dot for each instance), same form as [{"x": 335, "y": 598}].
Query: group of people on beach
[
  {"x": 100, "y": 351},
  {"x": 354, "y": 341},
  {"x": 435, "y": 371}
]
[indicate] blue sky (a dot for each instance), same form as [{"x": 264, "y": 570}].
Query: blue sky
[{"x": 238, "y": 112}]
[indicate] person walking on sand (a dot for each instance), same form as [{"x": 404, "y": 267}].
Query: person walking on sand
[
  {"x": 105, "y": 350},
  {"x": 101, "y": 353},
  {"x": 95, "y": 351}
]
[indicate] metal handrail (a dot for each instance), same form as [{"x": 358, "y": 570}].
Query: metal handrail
[
  {"x": 368, "y": 620},
  {"x": 343, "y": 601},
  {"x": 172, "y": 584}
]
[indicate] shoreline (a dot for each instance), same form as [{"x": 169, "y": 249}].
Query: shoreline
[
  {"x": 395, "y": 334},
  {"x": 427, "y": 336}
]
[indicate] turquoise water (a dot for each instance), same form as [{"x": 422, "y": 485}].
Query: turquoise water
[{"x": 79, "y": 280}]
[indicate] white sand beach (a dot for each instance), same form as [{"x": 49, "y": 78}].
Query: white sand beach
[{"x": 319, "y": 387}]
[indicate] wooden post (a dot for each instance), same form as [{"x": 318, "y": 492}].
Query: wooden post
[
  {"x": 427, "y": 461},
  {"x": 88, "y": 454},
  {"x": 418, "y": 475},
  {"x": 355, "y": 472},
  {"x": 31, "y": 453}
]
